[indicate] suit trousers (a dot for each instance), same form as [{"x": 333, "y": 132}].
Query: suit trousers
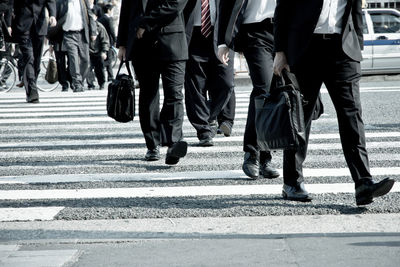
[
  {"x": 227, "y": 115},
  {"x": 256, "y": 42},
  {"x": 62, "y": 69},
  {"x": 78, "y": 56},
  {"x": 160, "y": 127},
  {"x": 325, "y": 62},
  {"x": 206, "y": 79},
  {"x": 31, "y": 46},
  {"x": 96, "y": 65}
]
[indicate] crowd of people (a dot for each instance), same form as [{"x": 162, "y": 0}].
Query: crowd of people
[
  {"x": 190, "y": 44},
  {"x": 80, "y": 34}
]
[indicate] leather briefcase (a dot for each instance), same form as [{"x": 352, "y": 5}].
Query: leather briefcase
[
  {"x": 279, "y": 114},
  {"x": 121, "y": 96}
]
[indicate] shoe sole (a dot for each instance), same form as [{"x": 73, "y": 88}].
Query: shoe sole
[
  {"x": 179, "y": 151},
  {"x": 225, "y": 129},
  {"x": 206, "y": 144},
  {"x": 152, "y": 158},
  {"x": 387, "y": 185},
  {"x": 306, "y": 199},
  {"x": 270, "y": 176},
  {"x": 252, "y": 177}
]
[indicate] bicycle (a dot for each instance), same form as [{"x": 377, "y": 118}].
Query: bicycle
[{"x": 8, "y": 74}]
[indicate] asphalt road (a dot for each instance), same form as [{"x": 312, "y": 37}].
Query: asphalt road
[{"x": 74, "y": 187}]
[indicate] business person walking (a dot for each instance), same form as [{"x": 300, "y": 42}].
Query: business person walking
[{"x": 321, "y": 41}]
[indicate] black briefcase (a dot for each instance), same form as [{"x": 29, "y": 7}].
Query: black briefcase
[
  {"x": 121, "y": 96},
  {"x": 279, "y": 114}
]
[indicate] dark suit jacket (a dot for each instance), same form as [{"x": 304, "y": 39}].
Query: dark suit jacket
[
  {"x": 32, "y": 12},
  {"x": 230, "y": 19},
  {"x": 108, "y": 23},
  {"x": 295, "y": 21},
  {"x": 164, "y": 28}
]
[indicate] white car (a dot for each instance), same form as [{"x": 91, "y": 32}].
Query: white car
[{"x": 381, "y": 41}]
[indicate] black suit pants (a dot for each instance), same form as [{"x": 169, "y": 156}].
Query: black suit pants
[
  {"x": 160, "y": 127},
  {"x": 206, "y": 79},
  {"x": 256, "y": 42},
  {"x": 31, "y": 46},
  {"x": 325, "y": 62}
]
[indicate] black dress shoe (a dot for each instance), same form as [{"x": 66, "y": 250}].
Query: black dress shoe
[
  {"x": 297, "y": 193},
  {"x": 250, "y": 165},
  {"x": 366, "y": 190},
  {"x": 33, "y": 101},
  {"x": 225, "y": 128},
  {"x": 152, "y": 154},
  {"x": 175, "y": 152},
  {"x": 208, "y": 141},
  {"x": 266, "y": 171}
]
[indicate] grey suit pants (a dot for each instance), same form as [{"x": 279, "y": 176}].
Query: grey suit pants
[{"x": 78, "y": 56}]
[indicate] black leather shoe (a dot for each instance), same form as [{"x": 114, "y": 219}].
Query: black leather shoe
[
  {"x": 266, "y": 171},
  {"x": 208, "y": 141},
  {"x": 367, "y": 189},
  {"x": 175, "y": 152},
  {"x": 33, "y": 101},
  {"x": 250, "y": 165},
  {"x": 297, "y": 193},
  {"x": 225, "y": 128},
  {"x": 152, "y": 154}
]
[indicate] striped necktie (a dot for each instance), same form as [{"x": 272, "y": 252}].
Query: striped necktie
[{"x": 205, "y": 18}]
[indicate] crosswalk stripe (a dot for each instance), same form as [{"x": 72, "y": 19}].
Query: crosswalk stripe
[
  {"x": 179, "y": 191},
  {"x": 191, "y": 140},
  {"x": 195, "y": 175},
  {"x": 28, "y": 214}
]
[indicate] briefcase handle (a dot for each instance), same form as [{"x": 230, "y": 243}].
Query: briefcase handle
[
  {"x": 285, "y": 78},
  {"x": 127, "y": 67}
]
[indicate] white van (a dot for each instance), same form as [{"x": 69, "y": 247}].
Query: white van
[{"x": 381, "y": 41}]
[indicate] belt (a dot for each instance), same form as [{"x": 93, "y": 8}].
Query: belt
[
  {"x": 73, "y": 31},
  {"x": 327, "y": 36}
]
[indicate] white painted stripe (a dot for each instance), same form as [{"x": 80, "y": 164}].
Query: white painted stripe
[
  {"x": 80, "y": 112},
  {"x": 191, "y": 140},
  {"x": 130, "y": 152},
  {"x": 29, "y": 214},
  {"x": 179, "y": 191},
  {"x": 195, "y": 175},
  {"x": 188, "y": 129},
  {"x": 91, "y": 119}
]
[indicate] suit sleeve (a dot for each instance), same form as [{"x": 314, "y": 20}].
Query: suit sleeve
[
  {"x": 225, "y": 11},
  {"x": 51, "y": 7},
  {"x": 358, "y": 22},
  {"x": 281, "y": 25},
  {"x": 163, "y": 14},
  {"x": 123, "y": 28}
]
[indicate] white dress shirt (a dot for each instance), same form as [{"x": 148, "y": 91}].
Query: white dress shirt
[
  {"x": 258, "y": 10},
  {"x": 74, "y": 20},
  {"x": 330, "y": 19},
  {"x": 197, "y": 14}
]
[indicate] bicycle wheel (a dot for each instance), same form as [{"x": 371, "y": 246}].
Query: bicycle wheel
[
  {"x": 8, "y": 76},
  {"x": 114, "y": 56},
  {"x": 42, "y": 84},
  {"x": 46, "y": 54}
]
